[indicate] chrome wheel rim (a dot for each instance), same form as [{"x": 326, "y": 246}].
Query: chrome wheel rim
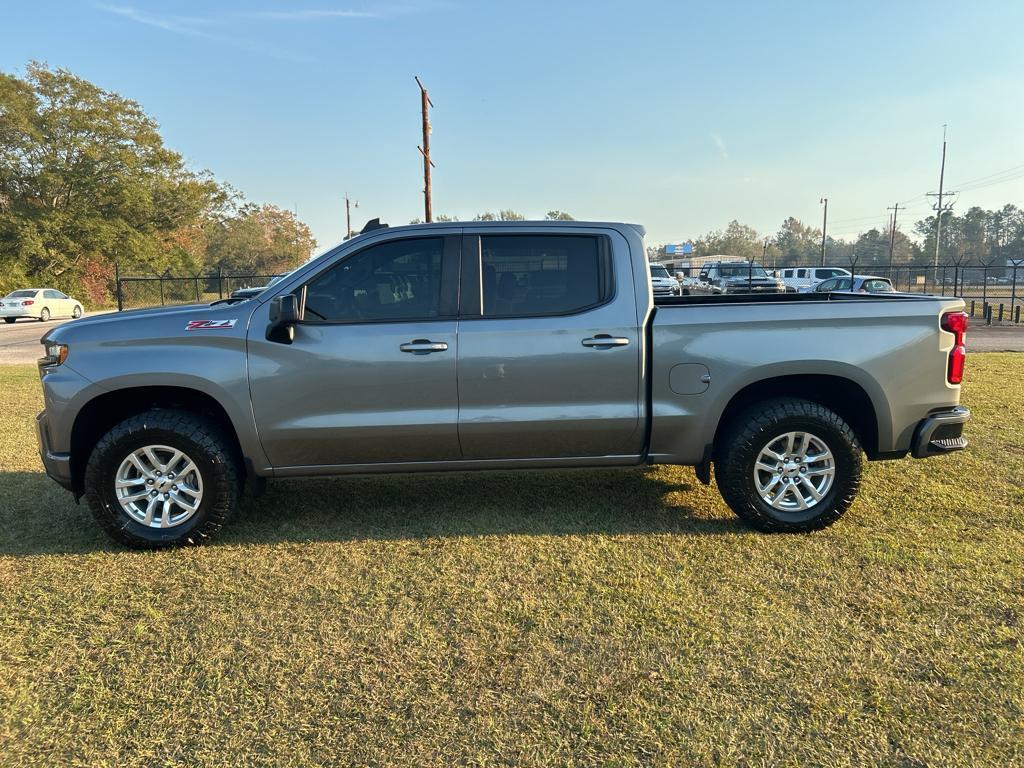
[
  {"x": 794, "y": 471},
  {"x": 159, "y": 486}
]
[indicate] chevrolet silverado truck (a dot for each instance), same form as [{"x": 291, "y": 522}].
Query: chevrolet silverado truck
[{"x": 493, "y": 346}]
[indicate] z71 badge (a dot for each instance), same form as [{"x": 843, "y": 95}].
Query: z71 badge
[{"x": 210, "y": 325}]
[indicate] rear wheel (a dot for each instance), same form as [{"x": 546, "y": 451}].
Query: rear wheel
[
  {"x": 44, "y": 315},
  {"x": 789, "y": 465},
  {"x": 162, "y": 478},
  {"x": 10, "y": 320}
]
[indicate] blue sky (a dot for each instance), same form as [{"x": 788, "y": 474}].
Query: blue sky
[{"x": 678, "y": 115}]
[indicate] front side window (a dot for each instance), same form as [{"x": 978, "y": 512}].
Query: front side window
[
  {"x": 524, "y": 275},
  {"x": 843, "y": 284},
  {"x": 743, "y": 270},
  {"x": 659, "y": 272},
  {"x": 825, "y": 286},
  {"x": 397, "y": 280}
]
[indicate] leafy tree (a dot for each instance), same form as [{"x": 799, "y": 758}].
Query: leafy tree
[
  {"x": 558, "y": 216},
  {"x": 797, "y": 243},
  {"x": 504, "y": 215},
  {"x": 262, "y": 240},
  {"x": 85, "y": 177},
  {"x": 737, "y": 240}
]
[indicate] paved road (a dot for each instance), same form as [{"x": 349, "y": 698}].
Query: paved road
[{"x": 19, "y": 342}]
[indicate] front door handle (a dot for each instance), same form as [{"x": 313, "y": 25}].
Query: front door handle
[
  {"x": 423, "y": 346},
  {"x": 604, "y": 341}
]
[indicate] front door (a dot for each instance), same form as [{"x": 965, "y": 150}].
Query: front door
[
  {"x": 370, "y": 375},
  {"x": 549, "y": 347}
]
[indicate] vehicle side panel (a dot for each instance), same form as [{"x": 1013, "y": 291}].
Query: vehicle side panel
[{"x": 893, "y": 349}]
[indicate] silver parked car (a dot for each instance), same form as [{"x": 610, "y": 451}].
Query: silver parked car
[
  {"x": 856, "y": 284},
  {"x": 38, "y": 304}
]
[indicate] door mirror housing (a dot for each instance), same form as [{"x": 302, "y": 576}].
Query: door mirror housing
[{"x": 284, "y": 314}]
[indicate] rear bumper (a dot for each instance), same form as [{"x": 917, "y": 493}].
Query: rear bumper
[
  {"x": 57, "y": 465},
  {"x": 940, "y": 433}
]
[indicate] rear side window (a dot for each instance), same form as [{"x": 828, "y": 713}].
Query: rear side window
[
  {"x": 398, "y": 280},
  {"x": 801, "y": 273},
  {"x": 877, "y": 286},
  {"x": 524, "y": 275}
]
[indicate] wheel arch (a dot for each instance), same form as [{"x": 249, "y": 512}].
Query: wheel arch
[
  {"x": 104, "y": 411},
  {"x": 846, "y": 397}
]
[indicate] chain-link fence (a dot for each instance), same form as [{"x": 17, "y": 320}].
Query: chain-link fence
[{"x": 135, "y": 292}]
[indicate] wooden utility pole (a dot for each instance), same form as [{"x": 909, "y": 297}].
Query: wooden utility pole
[
  {"x": 824, "y": 225},
  {"x": 892, "y": 235},
  {"x": 425, "y": 104},
  {"x": 939, "y": 208}
]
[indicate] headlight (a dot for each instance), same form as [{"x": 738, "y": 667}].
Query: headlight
[{"x": 55, "y": 354}]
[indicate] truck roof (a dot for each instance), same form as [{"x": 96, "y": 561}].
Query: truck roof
[{"x": 542, "y": 223}]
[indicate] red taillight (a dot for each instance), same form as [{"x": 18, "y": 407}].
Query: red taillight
[
  {"x": 28, "y": 303},
  {"x": 956, "y": 323}
]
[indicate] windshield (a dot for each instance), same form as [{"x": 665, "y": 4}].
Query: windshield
[
  {"x": 742, "y": 270},
  {"x": 20, "y": 295},
  {"x": 659, "y": 272}
]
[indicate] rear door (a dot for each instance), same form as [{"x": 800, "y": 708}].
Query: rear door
[
  {"x": 549, "y": 346},
  {"x": 370, "y": 375}
]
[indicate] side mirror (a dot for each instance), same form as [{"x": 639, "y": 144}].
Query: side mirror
[{"x": 284, "y": 314}]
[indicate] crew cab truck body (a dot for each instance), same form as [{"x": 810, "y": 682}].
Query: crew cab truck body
[{"x": 493, "y": 345}]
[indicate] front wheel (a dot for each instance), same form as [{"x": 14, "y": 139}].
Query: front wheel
[
  {"x": 76, "y": 312},
  {"x": 162, "y": 478},
  {"x": 789, "y": 465}
]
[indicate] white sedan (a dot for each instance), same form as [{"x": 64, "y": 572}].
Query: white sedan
[{"x": 38, "y": 304}]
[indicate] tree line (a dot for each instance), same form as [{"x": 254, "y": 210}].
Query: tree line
[
  {"x": 976, "y": 237},
  {"x": 86, "y": 183}
]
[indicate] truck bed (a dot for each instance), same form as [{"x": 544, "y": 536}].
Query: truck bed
[{"x": 784, "y": 298}]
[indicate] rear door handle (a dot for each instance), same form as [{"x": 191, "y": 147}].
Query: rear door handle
[
  {"x": 423, "y": 346},
  {"x": 604, "y": 341}
]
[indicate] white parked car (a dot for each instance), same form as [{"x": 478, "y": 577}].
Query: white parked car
[
  {"x": 662, "y": 282},
  {"x": 803, "y": 279},
  {"x": 38, "y": 304}
]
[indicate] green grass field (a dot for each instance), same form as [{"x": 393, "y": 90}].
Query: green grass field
[{"x": 612, "y": 618}]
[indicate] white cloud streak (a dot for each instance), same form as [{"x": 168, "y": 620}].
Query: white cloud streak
[
  {"x": 720, "y": 143},
  {"x": 201, "y": 27}
]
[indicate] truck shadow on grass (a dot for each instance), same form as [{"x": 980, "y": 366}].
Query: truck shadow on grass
[{"x": 37, "y": 517}]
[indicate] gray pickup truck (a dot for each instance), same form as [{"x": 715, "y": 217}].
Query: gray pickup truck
[{"x": 485, "y": 346}]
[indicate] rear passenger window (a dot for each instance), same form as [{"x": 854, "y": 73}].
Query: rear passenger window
[
  {"x": 801, "y": 273},
  {"x": 524, "y": 275}
]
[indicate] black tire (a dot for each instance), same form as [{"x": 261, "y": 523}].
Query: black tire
[
  {"x": 10, "y": 320},
  {"x": 44, "y": 315},
  {"x": 202, "y": 441},
  {"x": 76, "y": 313},
  {"x": 753, "y": 430}
]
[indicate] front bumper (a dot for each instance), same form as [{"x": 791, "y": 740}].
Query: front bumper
[
  {"x": 940, "y": 433},
  {"x": 57, "y": 465}
]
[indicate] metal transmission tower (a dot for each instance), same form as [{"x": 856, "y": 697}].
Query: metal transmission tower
[
  {"x": 425, "y": 104},
  {"x": 939, "y": 207}
]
